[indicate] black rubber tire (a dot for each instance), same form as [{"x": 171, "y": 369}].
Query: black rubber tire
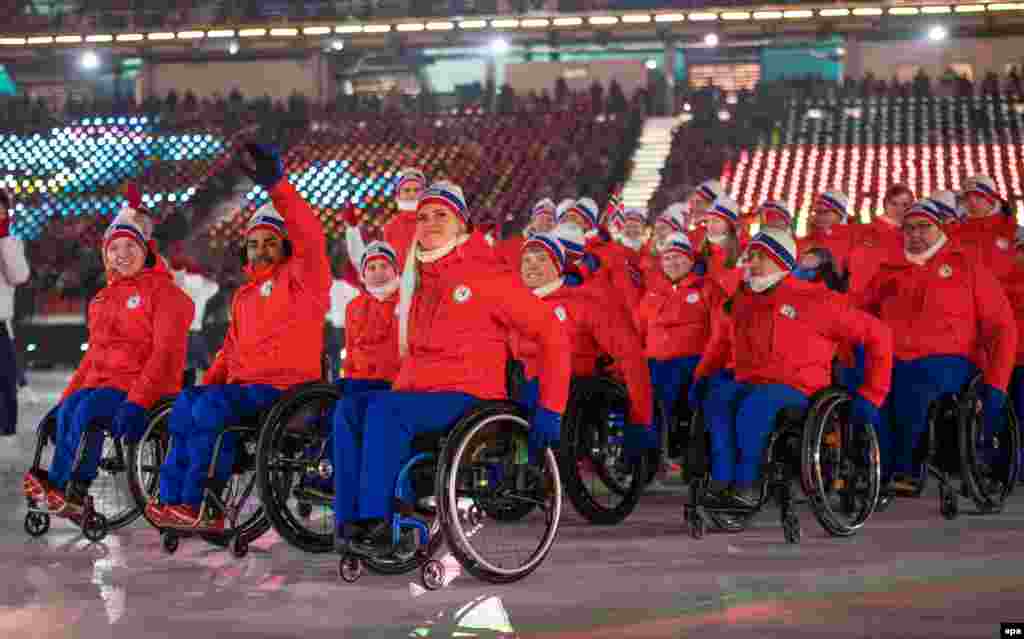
[
  {"x": 969, "y": 427},
  {"x": 574, "y": 434},
  {"x": 280, "y": 517}
]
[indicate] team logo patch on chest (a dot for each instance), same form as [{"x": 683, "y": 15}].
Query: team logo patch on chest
[
  {"x": 1002, "y": 243},
  {"x": 561, "y": 314},
  {"x": 462, "y": 293},
  {"x": 946, "y": 271},
  {"x": 267, "y": 288},
  {"x": 133, "y": 302},
  {"x": 693, "y": 298},
  {"x": 788, "y": 311}
]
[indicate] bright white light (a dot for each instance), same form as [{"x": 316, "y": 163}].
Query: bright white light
[
  {"x": 840, "y": 51},
  {"x": 30, "y": 348},
  {"x": 85, "y": 346},
  {"x": 499, "y": 46},
  {"x": 937, "y": 33},
  {"x": 711, "y": 39},
  {"x": 89, "y": 60},
  {"x": 724, "y": 115},
  {"x": 233, "y": 48},
  {"x": 687, "y": 107},
  {"x": 338, "y": 45},
  {"x": 815, "y": 114},
  {"x": 651, "y": 64}
]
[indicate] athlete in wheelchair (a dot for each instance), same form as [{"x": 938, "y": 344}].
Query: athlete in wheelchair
[
  {"x": 484, "y": 460},
  {"x": 950, "y": 319},
  {"x": 138, "y": 326},
  {"x": 779, "y": 413},
  {"x": 274, "y": 343},
  {"x": 602, "y": 454},
  {"x": 296, "y": 451}
]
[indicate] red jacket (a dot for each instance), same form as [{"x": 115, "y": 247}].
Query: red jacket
[
  {"x": 138, "y": 337},
  {"x": 371, "y": 338},
  {"x": 950, "y": 306},
  {"x": 790, "y": 335},
  {"x": 840, "y": 240},
  {"x": 398, "y": 232},
  {"x": 462, "y": 315},
  {"x": 595, "y": 329},
  {"x": 874, "y": 244},
  {"x": 509, "y": 251},
  {"x": 1014, "y": 288},
  {"x": 618, "y": 269},
  {"x": 726, "y": 276},
  {"x": 989, "y": 240},
  {"x": 276, "y": 335},
  {"x": 675, "y": 320}
]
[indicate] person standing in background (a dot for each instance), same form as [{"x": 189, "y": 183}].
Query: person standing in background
[
  {"x": 13, "y": 272},
  {"x": 343, "y": 291},
  {"x": 201, "y": 290}
]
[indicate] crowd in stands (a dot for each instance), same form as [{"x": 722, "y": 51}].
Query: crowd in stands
[{"x": 65, "y": 261}]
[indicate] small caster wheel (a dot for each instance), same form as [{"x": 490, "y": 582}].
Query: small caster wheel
[
  {"x": 239, "y": 547},
  {"x": 169, "y": 542},
  {"x": 350, "y": 569},
  {"x": 949, "y": 506},
  {"x": 36, "y": 524},
  {"x": 305, "y": 510},
  {"x": 94, "y": 527},
  {"x": 697, "y": 527},
  {"x": 791, "y": 529},
  {"x": 432, "y": 575}
]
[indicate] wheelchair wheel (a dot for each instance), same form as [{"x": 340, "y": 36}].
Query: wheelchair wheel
[
  {"x": 840, "y": 466},
  {"x": 989, "y": 466},
  {"x": 487, "y": 458},
  {"x": 602, "y": 485},
  {"x": 149, "y": 453},
  {"x": 111, "y": 490},
  {"x": 292, "y": 453}
]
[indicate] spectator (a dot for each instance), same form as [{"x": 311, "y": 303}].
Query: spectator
[{"x": 13, "y": 272}]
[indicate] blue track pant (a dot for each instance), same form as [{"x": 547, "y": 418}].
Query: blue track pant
[
  {"x": 386, "y": 422},
  {"x": 92, "y": 405},
  {"x": 199, "y": 415},
  {"x": 915, "y": 385},
  {"x": 741, "y": 417},
  {"x": 1016, "y": 395},
  {"x": 670, "y": 378}
]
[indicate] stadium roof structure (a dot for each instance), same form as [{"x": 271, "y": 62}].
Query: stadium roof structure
[{"x": 865, "y": 20}]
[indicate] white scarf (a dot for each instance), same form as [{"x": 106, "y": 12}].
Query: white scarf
[
  {"x": 921, "y": 258},
  {"x": 549, "y": 288},
  {"x": 410, "y": 281},
  {"x": 408, "y": 206},
  {"x": 385, "y": 291},
  {"x": 765, "y": 282}
]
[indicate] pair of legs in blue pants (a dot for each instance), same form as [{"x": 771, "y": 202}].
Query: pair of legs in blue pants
[
  {"x": 741, "y": 417},
  {"x": 347, "y": 388},
  {"x": 916, "y": 384},
  {"x": 199, "y": 415},
  {"x": 670, "y": 378},
  {"x": 373, "y": 435},
  {"x": 92, "y": 405}
]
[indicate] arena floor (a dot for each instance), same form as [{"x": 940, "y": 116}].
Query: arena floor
[{"x": 909, "y": 574}]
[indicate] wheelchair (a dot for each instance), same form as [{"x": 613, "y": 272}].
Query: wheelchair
[
  {"x": 838, "y": 466},
  {"x": 951, "y": 446},
  {"x": 602, "y": 485},
  {"x": 473, "y": 487},
  {"x": 236, "y": 498},
  {"x": 109, "y": 504}
]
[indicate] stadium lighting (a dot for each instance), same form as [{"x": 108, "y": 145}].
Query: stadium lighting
[
  {"x": 711, "y": 39},
  {"x": 651, "y": 64},
  {"x": 89, "y": 60},
  {"x": 499, "y": 46},
  {"x": 937, "y": 33},
  {"x": 233, "y": 48},
  {"x": 337, "y": 44}
]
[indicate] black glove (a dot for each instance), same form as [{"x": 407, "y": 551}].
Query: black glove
[{"x": 262, "y": 163}]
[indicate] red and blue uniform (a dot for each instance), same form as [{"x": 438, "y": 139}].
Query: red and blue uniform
[{"x": 949, "y": 317}]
